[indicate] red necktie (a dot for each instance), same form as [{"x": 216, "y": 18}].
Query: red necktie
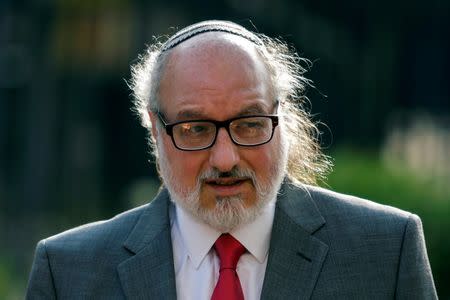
[{"x": 229, "y": 251}]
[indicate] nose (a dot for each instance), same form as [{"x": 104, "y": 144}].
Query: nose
[{"x": 224, "y": 153}]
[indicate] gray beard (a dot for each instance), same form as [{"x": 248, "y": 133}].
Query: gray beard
[{"x": 229, "y": 212}]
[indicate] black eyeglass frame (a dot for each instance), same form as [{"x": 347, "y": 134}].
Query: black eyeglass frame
[{"x": 219, "y": 124}]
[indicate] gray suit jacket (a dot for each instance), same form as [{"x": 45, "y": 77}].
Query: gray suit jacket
[{"x": 324, "y": 245}]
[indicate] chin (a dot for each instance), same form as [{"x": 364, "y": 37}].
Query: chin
[{"x": 228, "y": 213}]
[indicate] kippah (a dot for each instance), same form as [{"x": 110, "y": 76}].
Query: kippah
[{"x": 208, "y": 26}]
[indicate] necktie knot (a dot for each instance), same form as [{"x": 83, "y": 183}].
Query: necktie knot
[{"x": 229, "y": 251}]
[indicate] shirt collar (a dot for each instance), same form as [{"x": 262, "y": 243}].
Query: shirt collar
[
  {"x": 255, "y": 236},
  {"x": 198, "y": 237}
]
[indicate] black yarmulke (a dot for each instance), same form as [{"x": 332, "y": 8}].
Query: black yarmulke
[{"x": 208, "y": 26}]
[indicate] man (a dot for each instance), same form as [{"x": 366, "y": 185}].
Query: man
[{"x": 237, "y": 217}]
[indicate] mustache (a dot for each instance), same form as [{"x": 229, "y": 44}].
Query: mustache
[{"x": 236, "y": 172}]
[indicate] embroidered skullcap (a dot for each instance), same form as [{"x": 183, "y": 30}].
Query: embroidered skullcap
[{"x": 210, "y": 26}]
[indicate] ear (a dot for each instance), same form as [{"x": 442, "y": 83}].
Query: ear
[{"x": 154, "y": 123}]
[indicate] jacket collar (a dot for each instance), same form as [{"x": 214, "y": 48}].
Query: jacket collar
[
  {"x": 295, "y": 255},
  {"x": 149, "y": 273}
]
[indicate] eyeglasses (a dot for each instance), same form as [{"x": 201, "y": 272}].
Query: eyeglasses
[{"x": 252, "y": 130}]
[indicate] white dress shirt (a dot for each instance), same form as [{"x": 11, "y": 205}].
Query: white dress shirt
[{"x": 197, "y": 264}]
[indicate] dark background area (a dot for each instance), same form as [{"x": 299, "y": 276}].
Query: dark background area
[{"x": 71, "y": 150}]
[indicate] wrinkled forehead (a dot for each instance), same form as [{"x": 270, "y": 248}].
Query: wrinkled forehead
[{"x": 212, "y": 54}]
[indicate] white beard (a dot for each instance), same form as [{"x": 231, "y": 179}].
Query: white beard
[{"x": 229, "y": 212}]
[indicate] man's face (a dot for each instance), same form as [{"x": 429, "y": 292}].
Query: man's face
[{"x": 225, "y": 185}]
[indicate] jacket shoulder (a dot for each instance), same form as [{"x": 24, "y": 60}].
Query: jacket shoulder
[
  {"x": 381, "y": 247},
  {"x": 337, "y": 205},
  {"x": 100, "y": 234},
  {"x": 348, "y": 216}
]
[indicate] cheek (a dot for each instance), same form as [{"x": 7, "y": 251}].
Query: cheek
[
  {"x": 266, "y": 161},
  {"x": 261, "y": 160},
  {"x": 185, "y": 165}
]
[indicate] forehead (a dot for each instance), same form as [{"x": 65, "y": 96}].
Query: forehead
[{"x": 214, "y": 70}]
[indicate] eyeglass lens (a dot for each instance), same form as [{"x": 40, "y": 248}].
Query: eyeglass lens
[{"x": 243, "y": 131}]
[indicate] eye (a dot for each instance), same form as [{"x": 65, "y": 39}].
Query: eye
[
  {"x": 195, "y": 128},
  {"x": 250, "y": 124}
]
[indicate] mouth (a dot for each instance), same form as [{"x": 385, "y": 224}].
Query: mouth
[
  {"x": 226, "y": 186},
  {"x": 225, "y": 181}
]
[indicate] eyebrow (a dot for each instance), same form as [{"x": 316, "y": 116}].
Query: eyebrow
[
  {"x": 189, "y": 114},
  {"x": 254, "y": 109}
]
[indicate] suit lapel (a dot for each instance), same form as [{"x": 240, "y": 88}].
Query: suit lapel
[
  {"x": 295, "y": 255},
  {"x": 149, "y": 273}
]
